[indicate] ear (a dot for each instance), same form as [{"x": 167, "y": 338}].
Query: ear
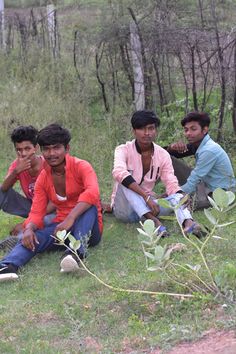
[
  {"x": 67, "y": 148},
  {"x": 205, "y": 130}
]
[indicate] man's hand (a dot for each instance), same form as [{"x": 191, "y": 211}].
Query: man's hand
[
  {"x": 188, "y": 202},
  {"x": 179, "y": 146},
  {"x": 16, "y": 229},
  {"x": 29, "y": 239},
  {"x": 23, "y": 164},
  {"x": 64, "y": 225},
  {"x": 155, "y": 210}
]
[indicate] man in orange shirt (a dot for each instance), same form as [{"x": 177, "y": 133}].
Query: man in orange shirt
[{"x": 71, "y": 185}]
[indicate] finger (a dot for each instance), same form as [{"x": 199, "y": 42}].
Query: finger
[{"x": 36, "y": 240}]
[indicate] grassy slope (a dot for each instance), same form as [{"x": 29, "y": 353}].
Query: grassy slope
[{"x": 46, "y": 311}]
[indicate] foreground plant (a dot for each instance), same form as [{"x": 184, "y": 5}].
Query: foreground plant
[
  {"x": 63, "y": 237},
  {"x": 158, "y": 257}
]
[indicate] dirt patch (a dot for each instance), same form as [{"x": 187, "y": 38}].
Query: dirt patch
[{"x": 213, "y": 342}]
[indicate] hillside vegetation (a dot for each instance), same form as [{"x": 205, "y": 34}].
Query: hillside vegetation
[{"x": 82, "y": 77}]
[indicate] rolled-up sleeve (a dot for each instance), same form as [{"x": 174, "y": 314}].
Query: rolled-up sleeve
[
  {"x": 90, "y": 193},
  {"x": 120, "y": 171}
]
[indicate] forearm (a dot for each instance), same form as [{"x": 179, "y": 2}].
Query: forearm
[
  {"x": 78, "y": 210},
  {"x": 9, "y": 181},
  {"x": 50, "y": 208},
  {"x": 30, "y": 227},
  {"x": 139, "y": 190}
]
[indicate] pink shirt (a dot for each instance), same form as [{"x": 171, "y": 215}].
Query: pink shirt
[
  {"x": 27, "y": 181},
  {"x": 128, "y": 161}
]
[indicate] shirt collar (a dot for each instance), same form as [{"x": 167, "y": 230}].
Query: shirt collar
[{"x": 138, "y": 147}]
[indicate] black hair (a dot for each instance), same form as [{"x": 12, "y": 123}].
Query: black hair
[
  {"x": 54, "y": 134},
  {"x": 201, "y": 117},
  {"x": 142, "y": 118},
  {"x": 24, "y": 133}
]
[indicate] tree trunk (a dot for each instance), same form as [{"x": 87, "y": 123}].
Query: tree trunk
[
  {"x": 2, "y": 20},
  {"x": 234, "y": 101},
  {"x": 139, "y": 89}
]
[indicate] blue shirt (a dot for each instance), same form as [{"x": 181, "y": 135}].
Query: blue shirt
[{"x": 213, "y": 167}]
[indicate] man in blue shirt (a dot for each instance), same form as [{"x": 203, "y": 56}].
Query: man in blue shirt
[{"x": 213, "y": 168}]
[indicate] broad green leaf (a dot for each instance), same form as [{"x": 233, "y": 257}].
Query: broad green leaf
[
  {"x": 213, "y": 203},
  {"x": 141, "y": 231},
  {"x": 231, "y": 197},
  {"x": 76, "y": 245},
  {"x": 221, "y": 198},
  {"x": 164, "y": 203},
  {"x": 167, "y": 254},
  {"x": 183, "y": 200},
  {"x": 149, "y": 226},
  {"x": 71, "y": 238},
  {"x": 159, "y": 252},
  {"x": 149, "y": 255},
  {"x": 61, "y": 235},
  {"x": 146, "y": 243},
  {"x": 209, "y": 216}
]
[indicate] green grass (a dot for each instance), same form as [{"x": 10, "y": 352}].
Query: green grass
[
  {"x": 49, "y": 311},
  {"x": 46, "y": 311}
]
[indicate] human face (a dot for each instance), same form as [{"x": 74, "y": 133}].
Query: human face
[
  {"x": 54, "y": 154},
  {"x": 146, "y": 135},
  {"x": 194, "y": 133},
  {"x": 26, "y": 149}
]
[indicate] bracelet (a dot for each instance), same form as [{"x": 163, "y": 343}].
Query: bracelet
[{"x": 147, "y": 199}]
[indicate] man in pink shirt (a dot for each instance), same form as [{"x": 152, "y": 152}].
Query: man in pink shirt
[
  {"x": 138, "y": 166},
  {"x": 71, "y": 185}
]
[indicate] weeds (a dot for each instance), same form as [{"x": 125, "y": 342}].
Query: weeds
[{"x": 189, "y": 275}]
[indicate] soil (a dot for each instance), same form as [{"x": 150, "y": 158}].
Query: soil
[{"x": 213, "y": 342}]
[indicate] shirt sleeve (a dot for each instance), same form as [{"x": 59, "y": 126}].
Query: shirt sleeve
[
  {"x": 89, "y": 181},
  {"x": 40, "y": 202},
  {"x": 204, "y": 164},
  {"x": 168, "y": 177},
  {"x": 190, "y": 152},
  {"x": 120, "y": 172}
]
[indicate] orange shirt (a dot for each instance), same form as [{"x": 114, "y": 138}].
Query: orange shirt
[{"x": 81, "y": 186}]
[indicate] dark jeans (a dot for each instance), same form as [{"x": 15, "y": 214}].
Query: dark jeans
[
  {"x": 182, "y": 172},
  {"x": 86, "y": 224},
  {"x": 14, "y": 203}
]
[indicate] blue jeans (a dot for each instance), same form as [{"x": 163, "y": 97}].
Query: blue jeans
[
  {"x": 86, "y": 224},
  {"x": 131, "y": 207}
]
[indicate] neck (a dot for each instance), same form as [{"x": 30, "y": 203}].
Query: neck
[
  {"x": 59, "y": 170},
  {"x": 145, "y": 147}
]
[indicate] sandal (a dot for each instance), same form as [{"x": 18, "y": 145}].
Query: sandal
[
  {"x": 163, "y": 232},
  {"x": 196, "y": 230}
]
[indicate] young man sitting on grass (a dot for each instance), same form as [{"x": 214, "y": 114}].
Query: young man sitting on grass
[
  {"x": 25, "y": 169},
  {"x": 213, "y": 168},
  {"x": 71, "y": 185},
  {"x": 138, "y": 166}
]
